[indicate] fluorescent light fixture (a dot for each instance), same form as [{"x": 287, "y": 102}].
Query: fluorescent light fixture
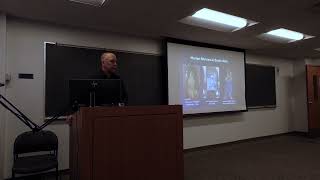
[
  {"x": 90, "y": 2},
  {"x": 210, "y": 19},
  {"x": 285, "y": 33},
  {"x": 219, "y": 17},
  {"x": 284, "y": 36}
]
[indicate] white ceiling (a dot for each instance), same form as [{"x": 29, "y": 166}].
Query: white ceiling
[{"x": 158, "y": 19}]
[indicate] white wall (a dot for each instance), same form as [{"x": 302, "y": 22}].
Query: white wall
[
  {"x": 314, "y": 62},
  {"x": 299, "y": 89},
  {"x": 25, "y": 54},
  {"x": 2, "y": 89}
]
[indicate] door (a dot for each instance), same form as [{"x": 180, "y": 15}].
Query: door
[{"x": 313, "y": 93}]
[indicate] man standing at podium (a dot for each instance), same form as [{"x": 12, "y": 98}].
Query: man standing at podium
[{"x": 108, "y": 70}]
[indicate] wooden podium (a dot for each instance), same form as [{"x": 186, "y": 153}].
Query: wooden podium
[{"x": 127, "y": 143}]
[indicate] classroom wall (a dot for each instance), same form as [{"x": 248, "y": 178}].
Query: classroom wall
[
  {"x": 25, "y": 54},
  {"x": 314, "y": 62},
  {"x": 2, "y": 70},
  {"x": 300, "y": 112}
]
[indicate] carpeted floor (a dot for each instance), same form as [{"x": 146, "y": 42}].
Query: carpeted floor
[{"x": 286, "y": 157}]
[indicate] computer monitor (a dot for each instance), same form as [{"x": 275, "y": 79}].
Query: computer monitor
[{"x": 95, "y": 92}]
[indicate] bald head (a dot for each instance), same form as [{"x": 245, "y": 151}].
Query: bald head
[{"x": 109, "y": 63}]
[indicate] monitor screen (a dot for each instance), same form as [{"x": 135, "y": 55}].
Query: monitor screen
[{"x": 95, "y": 92}]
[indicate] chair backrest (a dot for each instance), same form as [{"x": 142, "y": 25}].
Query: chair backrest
[{"x": 28, "y": 142}]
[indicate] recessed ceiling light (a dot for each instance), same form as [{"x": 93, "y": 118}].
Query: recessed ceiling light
[
  {"x": 284, "y": 36},
  {"x": 285, "y": 33},
  {"x": 219, "y": 17},
  {"x": 216, "y": 20},
  {"x": 90, "y": 2}
]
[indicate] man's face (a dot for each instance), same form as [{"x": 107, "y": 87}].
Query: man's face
[{"x": 109, "y": 63}]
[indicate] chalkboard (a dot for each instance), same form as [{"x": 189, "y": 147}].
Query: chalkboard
[
  {"x": 142, "y": 75},
  {"x": 260, "y": 86}
]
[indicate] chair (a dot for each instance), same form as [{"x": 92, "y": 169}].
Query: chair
[{"x": 43, "y": 142}]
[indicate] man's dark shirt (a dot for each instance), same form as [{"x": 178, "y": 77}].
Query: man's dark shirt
[
  {"x": 124, "y": 94},
  {"x": 103, "y": 76}
]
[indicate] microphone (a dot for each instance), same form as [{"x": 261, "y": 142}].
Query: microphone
[{"x": 1, "y": 84}]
